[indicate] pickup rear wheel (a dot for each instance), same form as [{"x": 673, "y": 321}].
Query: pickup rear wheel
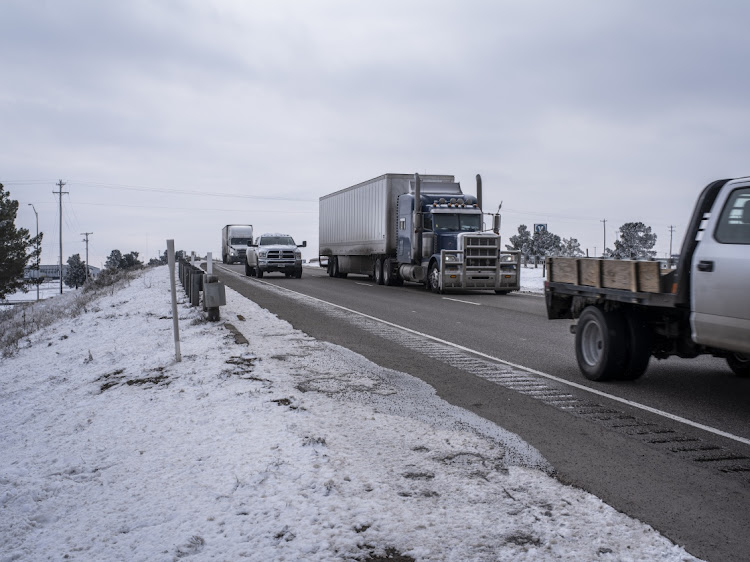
[
  {"x": 740, "y": 364},
  {"x": 377, "y": 273},
  {"x": 601, "y": 350},
  {"x": 639, "y": 351}
]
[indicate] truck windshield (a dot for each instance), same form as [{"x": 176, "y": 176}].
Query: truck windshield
[
  {"x": 458, "y": 222},
  {"x": 277, "y": 240},
  {"x": 240, "y": 241}
]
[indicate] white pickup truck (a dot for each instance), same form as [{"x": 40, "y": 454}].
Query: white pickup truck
[
  {"x": 274, "y": 252},
  {"x": 628, "y": 311}
]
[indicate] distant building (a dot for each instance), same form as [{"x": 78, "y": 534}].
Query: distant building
[{"x": 53, "y": 271}]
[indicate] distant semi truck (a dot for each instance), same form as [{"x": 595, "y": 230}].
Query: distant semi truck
[
  {"x": 422, "y": 229},
  {"x": 234, "y": 241}
]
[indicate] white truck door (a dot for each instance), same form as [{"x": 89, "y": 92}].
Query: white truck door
[{"x": 721, "y": 273}]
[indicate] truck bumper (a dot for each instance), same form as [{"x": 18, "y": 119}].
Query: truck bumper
[
  {"x": 285, "y": 266},
  {"x": 502, "y": 276}
]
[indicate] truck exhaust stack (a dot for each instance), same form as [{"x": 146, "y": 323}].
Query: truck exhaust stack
[{"x": 479, "y": 191}]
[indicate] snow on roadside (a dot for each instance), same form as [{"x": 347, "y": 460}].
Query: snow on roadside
[{"x": 285, "y": 449}]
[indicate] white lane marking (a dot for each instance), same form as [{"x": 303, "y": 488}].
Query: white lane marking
[
  {"x": 459, "y": 300},
  {"x": 584, "y": 388},
  {"x": 365, "y": 284}
]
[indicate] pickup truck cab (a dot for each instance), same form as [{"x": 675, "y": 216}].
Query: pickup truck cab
[
  {"x": 274, "y": 252},
  {"x": 628, "y": 311}
]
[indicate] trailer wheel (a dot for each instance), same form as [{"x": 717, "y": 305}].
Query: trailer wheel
[
  {"x": 433, "y": 279},
  {"x": 501, "y": 292},
  {"x": 335, "y": 267},
  {"x": 223, "y": 258},
  {"x": 639, "y": 352},
  {"x": 377, "y": 273},
  {"x": 740, "y": 364},
  {"x": 600, "y": 344}
]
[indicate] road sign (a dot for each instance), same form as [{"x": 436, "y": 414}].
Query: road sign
[{"x": 540, "y": 228}]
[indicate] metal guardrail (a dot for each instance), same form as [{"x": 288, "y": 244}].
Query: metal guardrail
[{"x": 196, "y": 281}]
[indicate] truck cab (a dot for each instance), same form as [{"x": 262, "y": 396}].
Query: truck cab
[
  {"x": 455, "y": 252},
  {"x": 274, "y": 252},
  {"x": 720, "y": 273},
  {"x": 234, "y": 241}
]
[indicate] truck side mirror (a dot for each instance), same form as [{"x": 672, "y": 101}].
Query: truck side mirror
[{"x": 303, "y": 245}]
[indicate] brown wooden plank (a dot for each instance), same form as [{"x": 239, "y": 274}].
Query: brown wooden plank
[
  {"x": 649, "y": 276},
  {"x": 590, "y": 272},
  {"x": 563, "y": 270},
  {"x": 618, "y": 274}
]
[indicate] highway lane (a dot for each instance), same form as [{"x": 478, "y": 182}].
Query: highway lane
[
  {"x": 646, "y": 465},
  {"x": 515, "y": 328}
]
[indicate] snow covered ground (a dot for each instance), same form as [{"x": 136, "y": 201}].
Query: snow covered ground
[{"x": 286, "y": 448}]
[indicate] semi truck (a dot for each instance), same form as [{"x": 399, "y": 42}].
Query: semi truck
[
  {"x": 630, "y": 310},
  {"x": 234, "y": 241},
  {"x": 421, "y": 229}
]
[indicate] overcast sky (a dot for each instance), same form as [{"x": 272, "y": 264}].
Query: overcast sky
[{"x": 171, "y": 119}]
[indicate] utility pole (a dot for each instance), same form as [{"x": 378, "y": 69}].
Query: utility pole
[
  {"x": 60, "y": 184},
  {"x": 605, "y": 235},
  {"x": 671, "y": 231},
  {"x": 86, "y": 234},
  {"x": 38, "y": 257}
]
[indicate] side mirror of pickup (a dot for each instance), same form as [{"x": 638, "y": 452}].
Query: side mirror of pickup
[{"x": 303, "y": 245}]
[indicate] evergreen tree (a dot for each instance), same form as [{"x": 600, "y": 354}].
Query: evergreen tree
[
  {"x": 75, "y": 275},
  {"x": 544, "y": 244},
  {"x": 636, "y": 242},
  {"x": 521, "y": 242},
  {"x": 114, "y": 260},
  {"x": 17, "y": 247},
  {"x": 570, "y": 247},
  {"x": 130, "y": 261}
]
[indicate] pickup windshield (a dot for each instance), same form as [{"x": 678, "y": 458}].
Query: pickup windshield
[
  {"x": 454, "y": 222},
  {"x": 276, "y": 241}
]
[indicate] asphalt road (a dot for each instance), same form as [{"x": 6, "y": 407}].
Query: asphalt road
[{"x": 690, "y": 482}]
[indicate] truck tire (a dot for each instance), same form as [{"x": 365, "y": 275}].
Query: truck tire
[
  {"x": 433, "y": 279},
  {"x": 388, "y": 277},
  {"x": 639, "y": 350},
  {"x": 739, "y": 363},
  {"x": 335, "y": 267},
  {"x": 248, "y": 270},
  {"x": 601, "y": 344},
  {"x": 298, "y": 273},
  {"x": 501, "y": 291},
  {"x": 377, "y": 272},
  {"x": 260, "y": 273},
  {"x": 223, "y": 258}
]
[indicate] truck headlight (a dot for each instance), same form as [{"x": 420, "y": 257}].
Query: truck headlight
[
  {"x": 451, "y": 258},
  {"x": 262, "y": 253},
  {"x": 298, "y": 254}
]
